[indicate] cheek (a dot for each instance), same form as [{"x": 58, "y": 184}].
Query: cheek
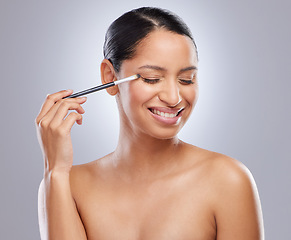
[
  {"x": 191, "y": 95},
  {"x": 140, "y": 92}
]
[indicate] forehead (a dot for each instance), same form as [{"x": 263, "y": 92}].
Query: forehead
[{"x": 166, "y": 48}]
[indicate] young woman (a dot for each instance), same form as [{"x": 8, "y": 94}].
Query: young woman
[{"x": 153, "y": 186}]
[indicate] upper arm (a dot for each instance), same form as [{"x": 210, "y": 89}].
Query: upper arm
[
  {"x": 41, "y": 211},
  {"x": 58, "y": 215},
  {"x": 237, "y": 209}
]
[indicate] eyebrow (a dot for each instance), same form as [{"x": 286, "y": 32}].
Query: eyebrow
[
  {"x": 188, "y": 68},
  {"x": 154, "y": 67}
]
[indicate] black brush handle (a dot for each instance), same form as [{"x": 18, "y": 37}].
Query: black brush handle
[{"x": 91, "y": 90}]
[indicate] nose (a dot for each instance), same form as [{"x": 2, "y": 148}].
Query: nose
[{"x": 170, "y": 93}]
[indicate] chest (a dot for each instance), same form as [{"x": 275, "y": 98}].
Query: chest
[{"x": 150, "y": 212}]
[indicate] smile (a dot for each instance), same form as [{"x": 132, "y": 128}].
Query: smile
[{"x": 166, "y": 115}]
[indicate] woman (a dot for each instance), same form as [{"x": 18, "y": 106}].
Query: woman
[{"x": 153, "y": 186}]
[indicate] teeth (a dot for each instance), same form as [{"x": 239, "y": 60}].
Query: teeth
[{"x": 163, "y": 114}]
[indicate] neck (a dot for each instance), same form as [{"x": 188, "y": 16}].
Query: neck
[{"x": 140, "y": 156}]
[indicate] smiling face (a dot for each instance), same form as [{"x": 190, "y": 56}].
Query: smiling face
[{"x": 160, "y": 102}]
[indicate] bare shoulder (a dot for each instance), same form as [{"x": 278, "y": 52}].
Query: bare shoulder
[
  {"x": 84, "y": 177},
  {"x": 220, "y": 167},
  {"x": 229, "y": 171},
  {"x": 234, "y": 196},
  {"x": 82, "y": 170}
]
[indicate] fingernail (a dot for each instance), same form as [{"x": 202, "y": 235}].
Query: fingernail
[{"x": 69, "y": 90}]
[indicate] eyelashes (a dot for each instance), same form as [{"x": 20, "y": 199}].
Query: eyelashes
[
  {"x": 156, "y": 80},
  {"x": 150, "y": 81},
  {"x": 186, "y": 82}
]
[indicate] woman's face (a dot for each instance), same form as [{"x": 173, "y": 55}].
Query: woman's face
[{"x": 160, "y": 102}]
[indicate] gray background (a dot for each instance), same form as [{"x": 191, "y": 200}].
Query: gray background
[{"x": 243, "y": 110}]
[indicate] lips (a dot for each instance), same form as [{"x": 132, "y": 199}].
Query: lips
[{"x": 166, "y": 115}]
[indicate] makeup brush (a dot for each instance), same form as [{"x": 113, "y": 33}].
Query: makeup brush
[{"x": 103, "y": 86}]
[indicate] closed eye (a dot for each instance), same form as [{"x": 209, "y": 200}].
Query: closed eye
[
  {"x": 150, "y": 80},
  {"x": 155, "y": 80},
  {"x": 186, "y": 82}
]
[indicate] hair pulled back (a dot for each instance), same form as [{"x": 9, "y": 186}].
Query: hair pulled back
[{"x": 127, "y": 31}]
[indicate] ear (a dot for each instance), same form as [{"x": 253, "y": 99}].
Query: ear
[{"x": 108, "y": 75}]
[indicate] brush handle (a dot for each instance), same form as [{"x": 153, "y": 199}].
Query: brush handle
[
  {"x": 100, "y": 87},
  {"x": 91, "y": 90}
]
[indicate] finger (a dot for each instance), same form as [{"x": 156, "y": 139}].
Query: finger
[
  {"x": 64, "y": 105},
  {"x": 80, "y": 121},
  {"x": 63, "y": 110},
  {"x": 70, "y": 120},
  {"x": 51, "y": 99}
]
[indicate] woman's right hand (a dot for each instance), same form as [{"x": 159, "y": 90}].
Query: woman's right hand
[{"x": 53, "y": 125}]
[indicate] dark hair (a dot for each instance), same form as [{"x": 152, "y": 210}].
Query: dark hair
[{"x": 126, "y": 32}]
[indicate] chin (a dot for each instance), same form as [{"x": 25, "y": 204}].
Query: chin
[{"x": 163, "y": 133}]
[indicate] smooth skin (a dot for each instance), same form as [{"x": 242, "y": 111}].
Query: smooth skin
[{"x": 153, "y": 186}]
